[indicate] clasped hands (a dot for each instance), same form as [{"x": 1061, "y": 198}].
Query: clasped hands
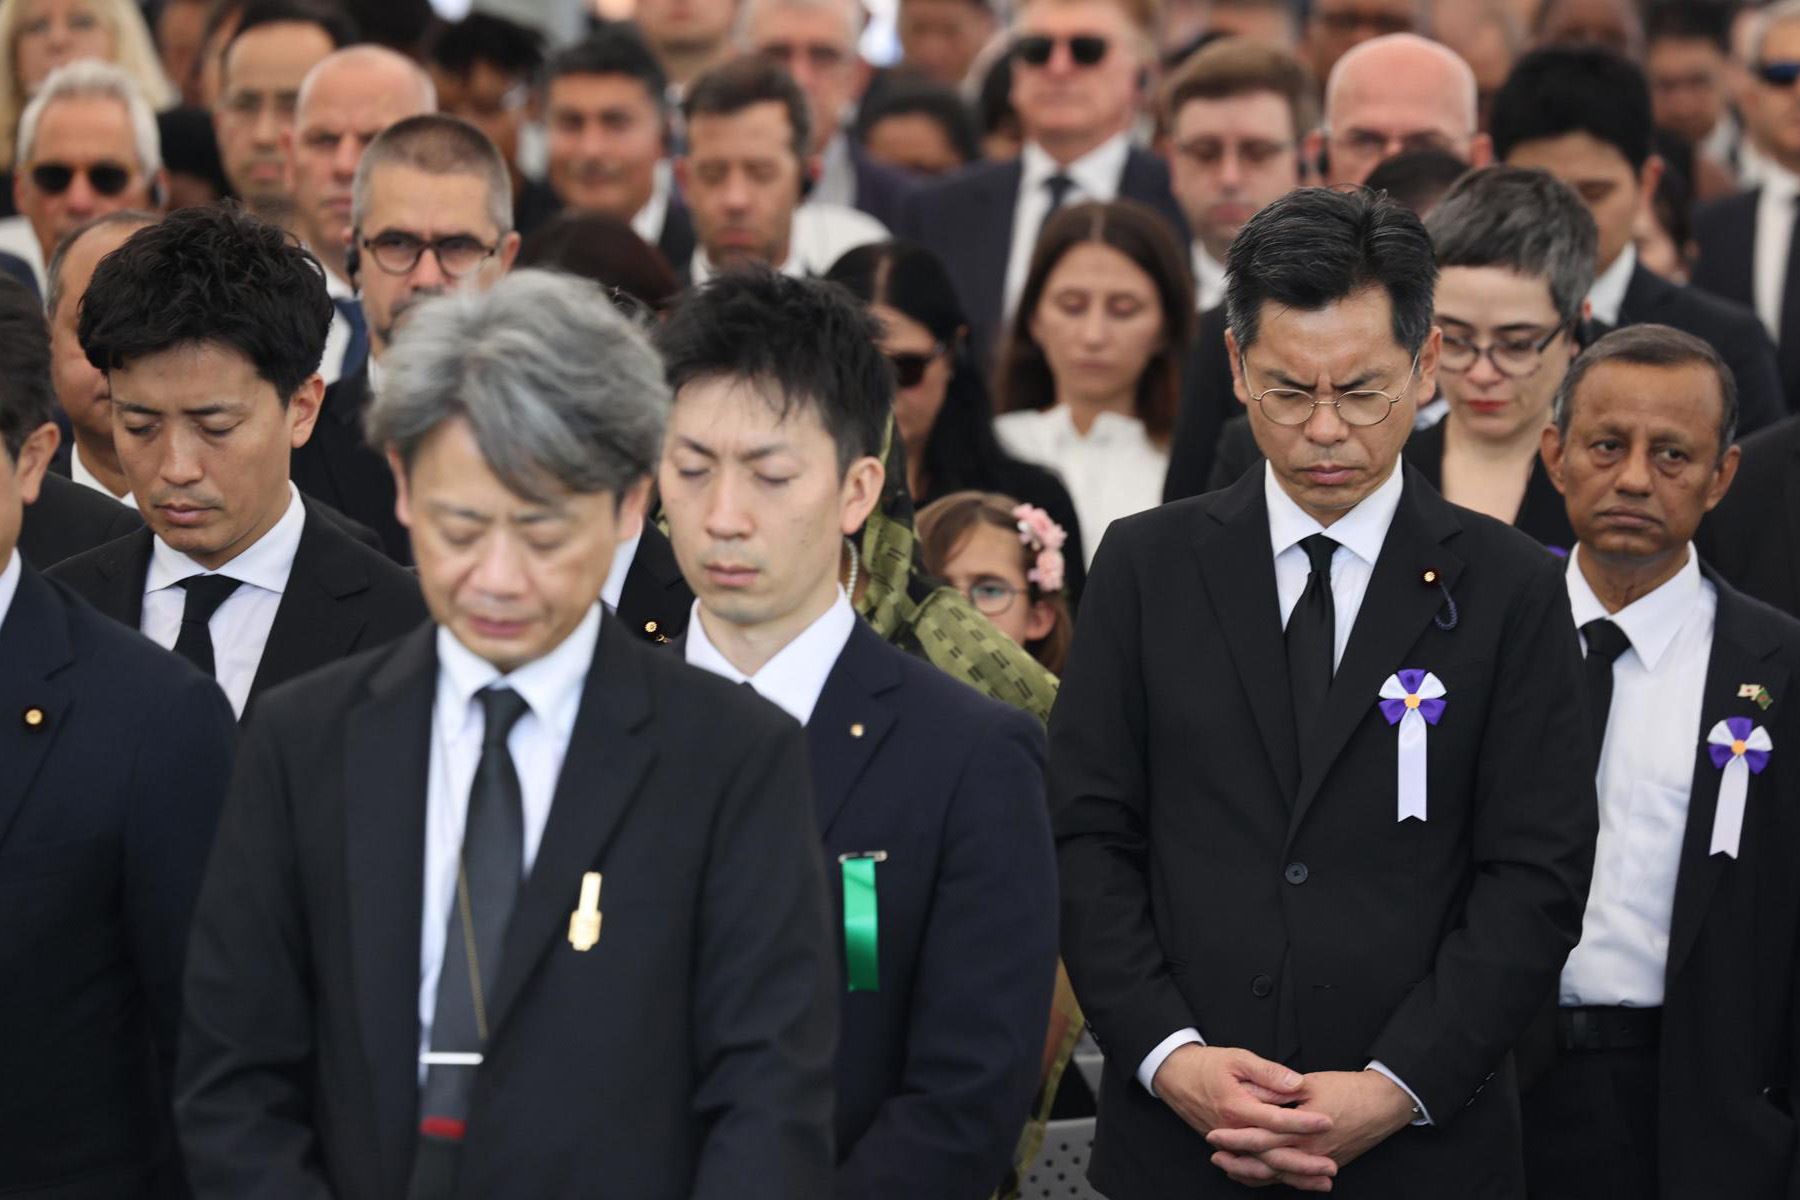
[{"x": 1241, "y": 1104}]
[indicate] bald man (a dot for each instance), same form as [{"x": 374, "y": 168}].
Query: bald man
[{"x": 1394, "y": 93}]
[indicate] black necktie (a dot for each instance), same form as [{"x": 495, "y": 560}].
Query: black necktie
[
  {"x": 1312, "y": 636},
  {"x": 487, "y": 883},
  {"x": 1059, "y": 187},
  {"x": 1605, "y": 642},
  {"x": 204, "y": 595}
]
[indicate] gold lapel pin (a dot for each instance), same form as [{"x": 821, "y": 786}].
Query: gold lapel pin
[
  {"x": 584, "y": 922},
  {"x": 856, "y": 730},
  {"x": 34, "y": 718}
]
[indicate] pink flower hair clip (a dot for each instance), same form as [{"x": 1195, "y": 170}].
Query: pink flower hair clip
[{"x": 1045, "y": 538}]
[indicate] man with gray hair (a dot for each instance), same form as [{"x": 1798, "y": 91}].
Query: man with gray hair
[
  {"x": 1394, "y": 93},
  {"x": 538, "y": 908},
  {"x": 88, "y": 145}
]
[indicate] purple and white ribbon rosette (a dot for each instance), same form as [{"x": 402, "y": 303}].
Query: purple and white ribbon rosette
[
  {"x": 1739, "y": 748},
  {"x": 1412, "y": 699}
]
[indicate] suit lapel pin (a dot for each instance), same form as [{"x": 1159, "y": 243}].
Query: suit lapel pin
[
  {"x": 856, "y": 730},
  {"x": 35, "y": 718},
  {"x": 584, "y": 922},
  {"x": 1756, "y": 692},
  {"x": 1447, "y": 616}
]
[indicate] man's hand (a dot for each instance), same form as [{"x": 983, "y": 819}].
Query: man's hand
[
  {"x": 1216, "y": 1087},
  {"x": 1365, "y": 1108}
]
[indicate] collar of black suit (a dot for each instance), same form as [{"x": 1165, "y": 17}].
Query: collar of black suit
[
  {"x": 36, "y": 648},
  {"x": 346, "y": 399},
  {"x": 853, "y": 717}
]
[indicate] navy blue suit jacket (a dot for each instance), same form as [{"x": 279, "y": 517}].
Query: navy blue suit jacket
[
  {"x": 880, "y": 189},
  {"x": 935, "y": 1070},
  {"x": 114, "y": 760}
]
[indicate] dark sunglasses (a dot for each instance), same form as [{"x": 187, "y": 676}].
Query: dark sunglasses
[
  {"x": 1085, "y": 48},
  {"x": 53, "y": 179},
  {"x": 1781, "y": 73},
  {"x": 909, "y": 369}
]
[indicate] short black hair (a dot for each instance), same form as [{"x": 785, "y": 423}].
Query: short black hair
[
  {"x": 1690, "y": 21},
  {"x": 1560, "y": 90},
  {"x": 515, "y": 50},
  {"x": 1417, "y": 178},
  {"x": 613, "y": 48},
  {"x": 927, "y": 99},
  {"x": 27, "y": 397},
  {"x": 802, "y": 342},
  {"x": 741, "y": 83},
  {"x": 327, "y": 16},
  {"x": 210, "y": 275},
  {"x": 1316, "y": 246},
  {"x": 1651, "y": 346}
]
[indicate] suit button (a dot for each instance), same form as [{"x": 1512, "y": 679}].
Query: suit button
[
  {"x": 1295, "y": 873},
  {"x": 1261, "y": 986}
]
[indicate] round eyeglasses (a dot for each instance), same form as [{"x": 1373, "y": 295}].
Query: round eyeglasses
[
  {"x": 1362, "y": 407},
  {"x": 1514, "y": 357},
  {"x": 398, "y": 253},
  {"x": 992, "y": 597}
]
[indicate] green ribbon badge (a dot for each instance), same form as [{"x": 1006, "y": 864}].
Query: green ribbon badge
[{"x": 861, "y": 934}]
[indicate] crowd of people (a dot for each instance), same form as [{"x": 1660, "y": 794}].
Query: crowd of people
[{"x": 644, "y": 606}]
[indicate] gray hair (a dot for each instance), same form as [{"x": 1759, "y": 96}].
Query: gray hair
[
  {"x": 89, "y": 78},
  {"x": 562, "y": 392},
  {"x": 437, "y": 145},
  {"x": 1769, "y": 18},
  {"x": 1651, "y": 346},
  {"x": 1526, "y": 221},
  {"x": 131, "y": 218},
  {"x": 855, "y": 15}
]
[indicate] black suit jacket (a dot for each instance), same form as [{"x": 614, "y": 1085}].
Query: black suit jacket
[
  {"x": 656, "y": 601},
  {"x": 1753, "y": 536},
  {"x": 677, "y": 239},
  {"x": 967, "y": 220},
  {"x": 1732, "y": 329},
  {"x": 936, "y": 1069},
  {"x": 881, "y": 190},
  {"x": 341, "y": 597},
  {"x": 686, "y": 1054},
  {"x": 338, "y": 467},
  {"x": 107, "y": 809},
  {"x": 68, "y": 518},
  {"x": 1726, "y": 232},
  {"x": 1207, "y": 404},
  {"x": 20, "y": 271},
  {"x": 1218, "y": 874},
  {"x": 1542, "y": 515}
]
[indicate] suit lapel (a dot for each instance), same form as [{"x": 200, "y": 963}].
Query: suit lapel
[
  {"x": 123, "y": 566},
  {"x": 849, "y": 722},
  {"x": 1238, "y": 572},
  {"x": 1395, "y": 610},
  {"x": 1791, "y": 526},
  {"x": 311, "y": 626},
  {"x": 992, "y": 230},
  {"x": 387, "y": 757},
  {"x": 34, "y": 648},
  {"x": 601, "y": 776}
]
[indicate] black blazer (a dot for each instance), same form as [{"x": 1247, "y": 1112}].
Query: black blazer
[
  {"x": 341, "y": 597},
  {"x": 967, "y": 220},
  {"x": 1542, "y": 514},
  {"x": 1753, "y": 536},
  {"x": 880, "y": 190},
  {"x": 656, "y": 601},
  {"x": 1725, "y": 230},
  {"x": 687, "y": 1054},
  {"x": 337, "y": 466},
  {"x": 20, "y": 272},
  {"x": 935, "y": 1070},
  {"x": 1217, "y": 874},
  {"x": 1732, "y": 329},
  {"x": 677, "y": 239},
  {"x": 107, "y": 809},
  {"x": 1207, "y": 404},
  {"x": 68, "y": 518}
]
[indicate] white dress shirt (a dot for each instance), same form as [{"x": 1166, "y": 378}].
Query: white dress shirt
[
  {"x": 1775, "y": 209},
  {"x": 1359, "y": 534},
  {"x": 552, "y": 687},
  {"x": 1096, "y": 177},
  {"x": 794, "y": 677},
  {"x": 820, "y": 235},
  {"x": 240, "y": 626},
  {"x": 837, "y": 173},
  {"x": 614, "y": 587},
  {"x": 9, "y": 584},
  {"x": 79, "y": 473},
  {"x": 1111, "y": 471},
  {"x": 649, "y": 220},
  {"x": 1645, "y": 777},
  {"x": 337, "y": 338},
  {"x": 1753, "y": 164},
  {"x": 1608, "y": 293},
  {"x": 1209, "y": 279}
]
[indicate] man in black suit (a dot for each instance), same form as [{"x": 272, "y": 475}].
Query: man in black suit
[
  {"x": 1080, "y": 68},
  {"x": 1582, "y": 113},
  {"x": 209, "y": 327},
  {"x": 646, "y": 589},
  {"x": 609, "y": 968},
  {"x": 1672, "y": 1059},
  {"x": 1300, "y": 934},
  {"x": 116, "y": 756},
  {"x": 1753, "y": 537},
  {"x": 929, "y": 797}
]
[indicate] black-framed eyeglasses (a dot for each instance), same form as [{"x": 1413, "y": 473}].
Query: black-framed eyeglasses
[
  {"x": 1085, "y": 49},
  {"x": 1362, "y": 407},
  {"x": 106, "y": 178},
  {"x": 398, "y": 253},
  {"x": 1779, "y": 72},
  {"x": 910, "y": 366},
  {"x": 992, "y": 597},
  {"x": 1513, "y": 357}
]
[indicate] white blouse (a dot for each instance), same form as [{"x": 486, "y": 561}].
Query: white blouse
[{"x": 1112, "y": 471}]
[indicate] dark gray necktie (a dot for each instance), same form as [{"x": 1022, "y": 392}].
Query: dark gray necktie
[
  {"x": 1312, "y": 637},
  {"x": 1059, "y": 186},
  {"x": 1605, "y": 642},
  {"x": 204, "y": 595}
]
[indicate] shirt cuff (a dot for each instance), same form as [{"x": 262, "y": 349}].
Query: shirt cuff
[
  {"x": 1424, "y": 1117},
  {"x": 1154, "y": 1060}
]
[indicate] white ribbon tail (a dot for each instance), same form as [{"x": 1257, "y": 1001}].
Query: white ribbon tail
[
  {"x": 1411, "y": 779},
  {"x": 1728, "y": 820}
]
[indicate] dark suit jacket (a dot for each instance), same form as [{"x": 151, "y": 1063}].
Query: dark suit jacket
[
  {"x": 339, "y": 467},
  {"x": 1730, "y": 1052},
  {"x": 936, "y": 1069},
  {"x": 20, "y": 271},
  {"x": 1753, "y": 536},
  {"x": 1207, "y": 404},
  {"x": 107, "y": 810},
  {"x": 1217, "y": 874},
  {"x": 880, "y": 189},
  {"x": 68, "y": 518},
  {"x": 967, "y": 220},
  {"x": 1542, "y": 515},
  {"x": 656, "y": 601},
  {"x": 687, "y": 1054},
  {"x": 1732, "y": 329},
  {"x": 677, "y": 239},
  {"x": 1726, "y": 232},
  {"x": 341, "y": 597}
]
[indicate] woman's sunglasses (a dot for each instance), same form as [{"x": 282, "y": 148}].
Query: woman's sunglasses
[
  {"x": 53, "y": 179},
  {"x": 1085, "y": 49},
  {"x": 910, "y": 368}
]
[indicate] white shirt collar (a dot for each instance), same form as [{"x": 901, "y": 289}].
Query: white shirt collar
[
  {"x": 623, "y": 556},
  {"x": 1652, "y": 620},
  {"x": 650, "y": 219},
  {"x": 9, "y": 584},
  {"x": 80, "y": 473},
  {"x": 265, "y": 563},
  {"x": 1209, "y": 279},
  {"x": 551, "y": 685},
  {"x": 1608, "y": 293},
  {"x": 796, "y": 675},
  {"x": 1096, "y": 173},
  {"x": 1779, "y": 183},
  {"x": 1361, "y": 531},
  {"x": 336, "y": 286}
]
